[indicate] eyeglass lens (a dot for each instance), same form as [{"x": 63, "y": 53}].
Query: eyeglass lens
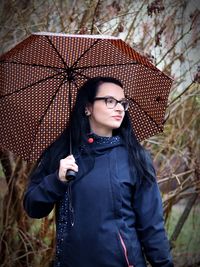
[{"x": 112, "y": 102}]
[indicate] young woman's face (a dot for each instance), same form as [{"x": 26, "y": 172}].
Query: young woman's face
[{"x": 102, "y": 118}]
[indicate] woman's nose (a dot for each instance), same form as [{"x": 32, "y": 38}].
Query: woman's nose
[{"x": 119, "y": 107}]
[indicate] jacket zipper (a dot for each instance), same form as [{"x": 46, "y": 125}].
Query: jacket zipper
[{"x": 125, "y": 250}]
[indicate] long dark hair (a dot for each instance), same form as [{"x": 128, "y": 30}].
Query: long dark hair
[{"x": 80, "y": 128}]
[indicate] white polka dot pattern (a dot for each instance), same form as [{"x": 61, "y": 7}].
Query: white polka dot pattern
[{"x": 34, "y": 87}]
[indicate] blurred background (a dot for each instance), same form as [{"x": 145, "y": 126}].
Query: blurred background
[{"x": 168, "y": 33}]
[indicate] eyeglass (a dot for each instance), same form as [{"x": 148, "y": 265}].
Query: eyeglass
[{"x": 111, "y": 102}]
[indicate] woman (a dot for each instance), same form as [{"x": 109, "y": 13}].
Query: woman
[{"x": 111, "y": 213}]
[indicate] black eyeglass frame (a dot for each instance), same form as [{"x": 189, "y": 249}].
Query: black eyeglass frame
[{"x": 105, "y": 98}]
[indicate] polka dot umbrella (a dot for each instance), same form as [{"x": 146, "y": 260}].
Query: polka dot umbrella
[{"x": 38, "y": 74}]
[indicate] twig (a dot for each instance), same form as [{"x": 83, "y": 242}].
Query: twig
[
  {"x": 133, "y": 22},
  {"x": 174, "y": 45},
  {"x": 183, "y": 218},
  {"x": 184, "y": 91},
  {"x": 94, "y": 17},
  {"x": 176, "y": 176}
]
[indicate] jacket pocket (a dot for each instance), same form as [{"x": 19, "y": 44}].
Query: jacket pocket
[{"x": 125, "y": 250}]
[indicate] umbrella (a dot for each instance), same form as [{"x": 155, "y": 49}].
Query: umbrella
[{"x": 40, "y": 76}]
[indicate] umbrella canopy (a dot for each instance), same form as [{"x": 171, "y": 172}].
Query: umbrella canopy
[{"x": 38, "y": 74}]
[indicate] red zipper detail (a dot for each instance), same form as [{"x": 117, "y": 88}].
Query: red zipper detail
[{"x": 125, "y": 250}]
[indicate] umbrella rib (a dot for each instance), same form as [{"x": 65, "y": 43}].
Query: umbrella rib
[
  {"x": 78, "y": 59},
  {"x": 146, "y": 113},
  {"x": 31, "y": 65},
  {"x": 81, "y": 74},
  {"x": 30, "y": 85},
  {"x": 76, "y": 70},
  {"x": 62, "y": 59},
  {"x": 106, "y": 65},
  {"x": 52, "y": 99}
]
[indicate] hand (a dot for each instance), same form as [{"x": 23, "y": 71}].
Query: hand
[{"x": 66, "y": 164}]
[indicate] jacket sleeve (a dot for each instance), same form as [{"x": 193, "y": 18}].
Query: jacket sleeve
[
  {"x": 44, "y": 190},
  {"x": 150, "y": 223}
]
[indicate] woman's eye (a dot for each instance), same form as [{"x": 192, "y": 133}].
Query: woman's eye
[{"x": 111, "y": 100}]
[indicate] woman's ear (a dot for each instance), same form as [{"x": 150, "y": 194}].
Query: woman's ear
[
  {"x": 88, "y": 109},
  {"x": 87, "y": 113}
]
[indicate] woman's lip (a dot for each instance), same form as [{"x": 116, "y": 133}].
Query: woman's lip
[{"x": 117, "y": 117}]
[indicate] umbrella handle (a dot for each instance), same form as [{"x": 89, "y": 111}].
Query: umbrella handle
[{"x": 70, "y": 175}]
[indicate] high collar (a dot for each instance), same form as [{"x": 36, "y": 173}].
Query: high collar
[
  {"x": 101, "y": 144},
  {"x": 101, "y": 140}
]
